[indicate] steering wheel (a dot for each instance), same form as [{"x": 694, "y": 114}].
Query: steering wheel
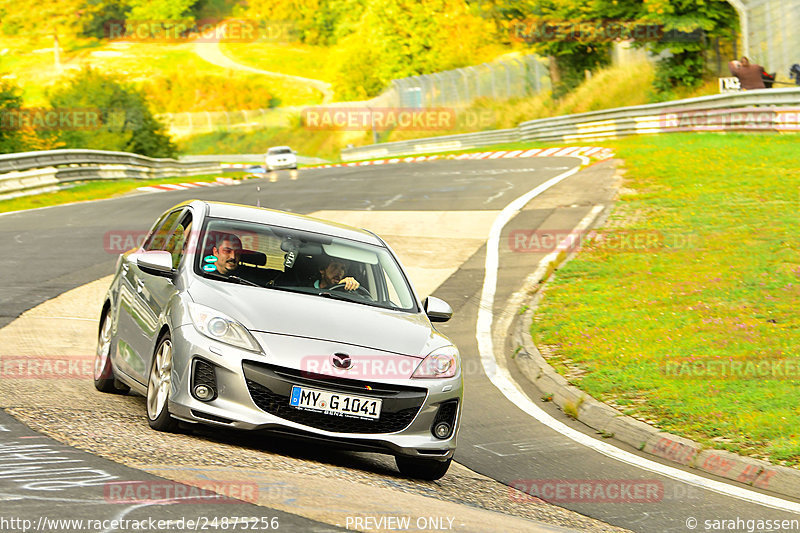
[{"x": 361, "y": 291}]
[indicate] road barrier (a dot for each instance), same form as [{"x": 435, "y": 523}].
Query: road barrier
[
  {"x": 36, "y": 172},
  {"x": 765, "y": 110}
]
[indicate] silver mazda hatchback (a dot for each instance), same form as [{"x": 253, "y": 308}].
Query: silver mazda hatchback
[{"x": 249, "y": 318}]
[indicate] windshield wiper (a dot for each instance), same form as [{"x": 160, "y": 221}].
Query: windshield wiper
[
  {"x": 335, "y": 296},
  {"x": 242, "y": 280},
  {"x": 232, "y": 277}
]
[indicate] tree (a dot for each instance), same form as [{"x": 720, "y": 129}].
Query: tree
[
  {"x": 320, "y": 22},
  {"x": 56, "y": 19},
  {"x": 690, "y": 26},
  {"x": 125, "y": 124},
  {"x": 686, "y": 29},
  {"x": 12, "y": 137},
  {"x": 400, "y": 38}
]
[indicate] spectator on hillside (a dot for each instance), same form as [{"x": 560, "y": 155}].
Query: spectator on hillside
[
  {"x": 749, "y": 74},
  {"x": 794, "y": 73}
]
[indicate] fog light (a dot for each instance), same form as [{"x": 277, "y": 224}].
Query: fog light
[
  {"x": 442, "y": 430},
  {"x": 203, "y": 392}
]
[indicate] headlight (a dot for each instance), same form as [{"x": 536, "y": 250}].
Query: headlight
[
  {"x": 441, "y": 363},
  {"x": 221, "y": 327}
]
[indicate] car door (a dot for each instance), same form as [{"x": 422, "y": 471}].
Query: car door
[{"x": 142, "y": 297}]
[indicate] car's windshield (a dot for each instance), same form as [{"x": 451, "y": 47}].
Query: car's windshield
[
  {"x": 280, "y": 258},
  {"x": 279, "y": 151}
]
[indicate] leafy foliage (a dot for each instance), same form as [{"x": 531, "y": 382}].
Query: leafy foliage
[
  {"x": 198, "y": 92},
  {"x": 688, "y": 26},
  {"x": 400, "y": 38},
  {"x": 321, "y": 22},
  {"x": 685, "y": 62},
  {"x": 126, "y": 122},
  {"x": 12, "y": 139}
]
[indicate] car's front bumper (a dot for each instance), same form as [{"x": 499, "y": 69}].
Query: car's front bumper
[
  {"x": 252, "y": 394},
  {"x": 278, "y": 164}
]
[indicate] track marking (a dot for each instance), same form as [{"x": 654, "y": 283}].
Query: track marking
[{"x": 500, "y": 377}]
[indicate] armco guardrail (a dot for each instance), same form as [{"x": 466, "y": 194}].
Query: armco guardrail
[
  {"x": 763, "y": 110},
  {"x": 433, "y": 144},
  {"x": 35, "y": 172}
]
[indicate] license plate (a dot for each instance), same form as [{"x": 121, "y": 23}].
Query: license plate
[{"x": 335, "y": 403}]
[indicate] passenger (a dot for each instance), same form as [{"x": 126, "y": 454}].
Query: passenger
[
  {"x": 227, "y": 251},
  {"x": 332, "y": 272}
]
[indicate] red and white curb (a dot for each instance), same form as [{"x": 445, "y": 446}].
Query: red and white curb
[
  {"x": 558, "y": 151},
  {"x": 192, "y": 185}
]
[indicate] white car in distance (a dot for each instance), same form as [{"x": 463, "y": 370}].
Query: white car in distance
[{"x": 280, "y": 157}]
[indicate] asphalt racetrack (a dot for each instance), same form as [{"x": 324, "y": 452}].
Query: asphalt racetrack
[{"x": 437, "y": 216}]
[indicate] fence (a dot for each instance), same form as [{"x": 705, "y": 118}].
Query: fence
[
  {"x": 766, "y": 110},
  {"x": 505, "y": 79},
  {"x": 36, "y": 172}
]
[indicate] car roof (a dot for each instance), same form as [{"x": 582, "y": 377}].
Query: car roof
[
  {"x": 278, "y": 148},
  {"x": 287, "y": 220}
]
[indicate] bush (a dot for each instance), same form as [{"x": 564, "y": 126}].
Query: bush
[
  {"x": 126, "y": 123},
  {"x": 12, "y": 138}
]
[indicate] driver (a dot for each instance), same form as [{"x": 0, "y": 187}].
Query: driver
[
  {"x": 331, "y": 272},
  {"x": 227, "y": 251}
]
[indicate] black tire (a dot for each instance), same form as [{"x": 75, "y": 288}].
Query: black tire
[
  {"x": 104, "y": 379},
  {"x": 159, "y": 381},
  {"x": 427, "y": 469}
]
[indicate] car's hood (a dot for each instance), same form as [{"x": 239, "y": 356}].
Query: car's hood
[{"x": 305, "y": 315}]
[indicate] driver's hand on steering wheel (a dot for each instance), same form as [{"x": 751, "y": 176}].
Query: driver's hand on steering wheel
[{"x": 350, "y": 284}]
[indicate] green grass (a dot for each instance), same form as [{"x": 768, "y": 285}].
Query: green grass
[
  {"x": 197, "y": 85},
  {"x": 296, "y": 59},
  {"x": 324, "y": 144},
  {"x": 95, "y": 190},
  {"x": 721, "y": 286}
]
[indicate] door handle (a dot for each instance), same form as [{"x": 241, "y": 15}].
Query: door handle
[{"x": 125, "y": 268}]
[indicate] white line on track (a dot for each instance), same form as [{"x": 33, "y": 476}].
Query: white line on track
[{"x": 501, "y": 378}]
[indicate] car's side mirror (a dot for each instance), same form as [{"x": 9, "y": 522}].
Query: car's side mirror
[
  {"x": 155, "y": 262},
  {"x": 437, "y": 310}
]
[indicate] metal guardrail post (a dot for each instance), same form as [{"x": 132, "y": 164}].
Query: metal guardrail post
[{"x": 47, "y": 170}]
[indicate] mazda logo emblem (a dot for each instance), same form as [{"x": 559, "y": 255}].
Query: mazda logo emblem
[{"x": 341, "y": 360}]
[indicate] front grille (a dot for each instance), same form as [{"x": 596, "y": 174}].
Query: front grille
[{"x": 270, "y": 388}]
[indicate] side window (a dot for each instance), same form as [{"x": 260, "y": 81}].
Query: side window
[
  {"x": 152, "y": 233},
  {"x": 177, "y": 241},
  {"x": 158, "y": 239}
]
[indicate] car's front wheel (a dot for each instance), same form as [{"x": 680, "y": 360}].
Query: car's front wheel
[
  {"x": 158, "y": 387},
  {"x": 427, "y": 469},
  {"x": 104, "y": 379}
]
